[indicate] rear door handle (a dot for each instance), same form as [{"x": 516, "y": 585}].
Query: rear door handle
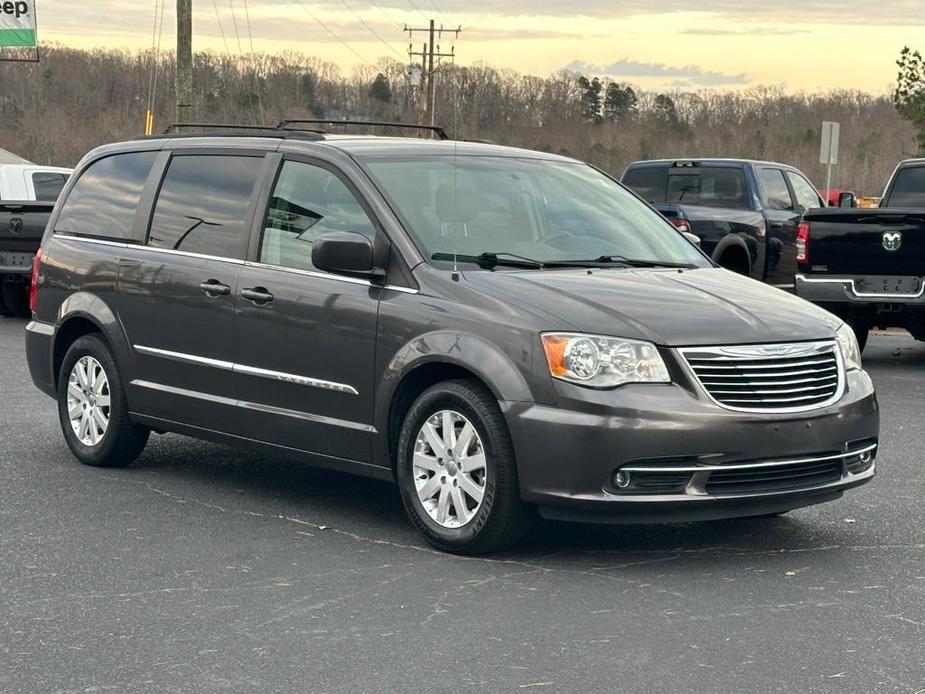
[
  {"x": 215, "y": 288},
  {"x": 258, "y": 295}
]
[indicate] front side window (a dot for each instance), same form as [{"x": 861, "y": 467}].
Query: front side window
[
  {"x": 48, "y": 185},
  {"x": 709, "y": 186},
  {"x": 308, "y": 201},
  {"x": 908, "y": 188},
  {"x": 776, "y": 191},
  {"x": 104, "y": 200},
  {"x": 806, "y": 195},
  {"x": 203, "y": 203},
  {"x": 544, "y": 210}
]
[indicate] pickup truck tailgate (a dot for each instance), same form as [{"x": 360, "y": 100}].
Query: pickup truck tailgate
[
  {"x": 22, "y": 225},
  {"x": 866, "y": 242}
]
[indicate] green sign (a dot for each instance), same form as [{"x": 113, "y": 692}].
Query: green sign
[{"x": 17, "y": 23}]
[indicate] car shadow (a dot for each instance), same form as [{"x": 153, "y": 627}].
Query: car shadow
[{"x": 211, "y": 473}]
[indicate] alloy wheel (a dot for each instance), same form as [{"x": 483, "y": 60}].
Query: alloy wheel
[
  {"x": 88, "y": 401},
  {"x": 449, "y": 468}
]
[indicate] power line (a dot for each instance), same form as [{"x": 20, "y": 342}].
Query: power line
[
  {"x": 440, "y": 12},
  {"x": 157, "y": 35},
  {"x": 221, "y": 28},
  {"x": 372, "y": 31},
  {"x": 417, "y": 9},
  {"x": 387, "y": 14},
  {"x": 234, "y": 21},
  {"x": 250, "y": 38},
  {"x": 332, "y": 33}
]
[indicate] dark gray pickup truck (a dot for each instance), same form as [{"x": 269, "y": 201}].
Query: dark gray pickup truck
[
  {"x": 745, "y": 213},
  {"x": 868, "y": 266},
  {"x": 22, "y": 224}
]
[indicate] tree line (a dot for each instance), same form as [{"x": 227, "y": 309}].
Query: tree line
[{"x": 54, "y": 111}]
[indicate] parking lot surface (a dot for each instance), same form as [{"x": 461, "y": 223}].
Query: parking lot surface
[{"x": 205, "y": 569}]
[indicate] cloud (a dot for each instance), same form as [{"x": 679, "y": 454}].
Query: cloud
[
  {"x": 757, "y": 31},
  {"x": 689, "y": 74}
]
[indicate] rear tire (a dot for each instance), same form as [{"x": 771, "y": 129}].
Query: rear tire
[
  {"x": 92, "y": 407},
  {"x": 456, "y": 471},
  {"x": 4, "y": 309},
  {"x": 15, "y": 298}
]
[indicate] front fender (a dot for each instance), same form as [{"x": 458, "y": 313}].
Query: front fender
[{"x": 493, "y": 366}]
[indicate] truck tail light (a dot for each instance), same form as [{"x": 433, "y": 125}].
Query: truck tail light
[
  {"x": 681, "y": 224},
  {"x": 34, "y": 281},
  {"x": 803, "y": 242}
]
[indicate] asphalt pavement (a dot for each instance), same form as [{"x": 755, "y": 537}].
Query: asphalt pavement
[{"x": 206, "y": 569}]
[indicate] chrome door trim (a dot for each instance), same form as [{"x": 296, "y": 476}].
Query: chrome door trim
[
  {"x": 295, "y": 378},
  {"x": 248, "y": 370},
  {"x": 235, "y": 261},
  {"x": 184, "y": 357},
  {"x": 327, "y": 276}
]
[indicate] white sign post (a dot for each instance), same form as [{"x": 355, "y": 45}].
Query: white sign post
[{"x": 828, "y": 150}]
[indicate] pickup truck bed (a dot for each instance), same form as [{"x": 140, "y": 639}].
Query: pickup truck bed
[{"x": 22, "y": 224}]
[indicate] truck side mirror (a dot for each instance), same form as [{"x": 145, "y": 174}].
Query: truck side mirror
[{"x": 847, "y": 199}]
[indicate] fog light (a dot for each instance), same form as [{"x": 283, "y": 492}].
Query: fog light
[
  {"x": 622, "y": 479},
  {"x": 866, "y": 456}
]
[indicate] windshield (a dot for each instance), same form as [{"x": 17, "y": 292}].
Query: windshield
[{"x": 540, "y": 210}]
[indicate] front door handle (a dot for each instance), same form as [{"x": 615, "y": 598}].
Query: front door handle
[
  {"x": 258, "y": 295},
  {"x": 215, "y": 288}
]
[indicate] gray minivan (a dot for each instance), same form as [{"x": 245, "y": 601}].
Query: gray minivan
[{"x": 504, "y": 333}]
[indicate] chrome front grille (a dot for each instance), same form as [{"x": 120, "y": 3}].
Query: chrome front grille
[{"x": 769, "y": 378}]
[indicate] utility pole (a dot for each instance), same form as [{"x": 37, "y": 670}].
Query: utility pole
[
  {"x": 428, "y": 53},
  {"x": 184, "y": 60}
]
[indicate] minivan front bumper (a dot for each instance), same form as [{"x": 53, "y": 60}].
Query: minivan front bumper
[{"x": 685, "y": 457}]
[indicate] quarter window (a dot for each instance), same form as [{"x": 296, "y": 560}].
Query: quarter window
[
  {"x": 776, "y": 192},
  {"x": 307, "y": 201},
  {"x": 711, "y": 186},
  {"x": 908, "y": 188},
  {"x": 203, "y": 204},
  {"x": 806, "y": 195},
  {"x": 103, "y": 202}
]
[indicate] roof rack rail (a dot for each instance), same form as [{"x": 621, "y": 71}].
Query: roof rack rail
[
  {"x": 435, "y": 129},
  {"x": 230, "y": 129}
]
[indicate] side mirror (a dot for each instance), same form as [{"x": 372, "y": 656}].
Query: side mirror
[
  {"x": 847, "y": 199},
  {"x": 345, "y": 253},
  {"x": 693, "y": 238}
]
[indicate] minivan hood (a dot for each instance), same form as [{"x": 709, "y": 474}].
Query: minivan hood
[{"x": 708, "y": 306}]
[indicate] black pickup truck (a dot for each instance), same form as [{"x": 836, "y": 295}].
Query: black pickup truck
[
  {"x": 22, "y": 224},
  {"x": 868, "y": 265},
  {"x": 744, "y": 212}
]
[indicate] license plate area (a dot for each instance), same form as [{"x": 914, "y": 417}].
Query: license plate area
[
  {"x": 886, "y": 284},
  {"x": 16, "y": 261}
]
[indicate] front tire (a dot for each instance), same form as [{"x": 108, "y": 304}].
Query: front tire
[
  {"x": 92, "y": 407},
  {"x": 456, "y": 471}
]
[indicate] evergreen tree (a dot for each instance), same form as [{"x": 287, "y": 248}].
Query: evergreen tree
[
  {"x": 909, "y": 95},
  {"x": 620, "y": 102}
]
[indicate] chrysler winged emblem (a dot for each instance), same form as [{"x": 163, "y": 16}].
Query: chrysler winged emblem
[{"x": 892, "y": 240}]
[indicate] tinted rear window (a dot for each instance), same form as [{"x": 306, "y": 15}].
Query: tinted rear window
[
  {"x": 203, "y": 203},
  {"x": 709, "y": 186},
  {"x": 48, "y": 185},
  {"x": 908, "y": 188},
  {"x": 103, "y": 201},
  {"x": 648, "y": 182}
]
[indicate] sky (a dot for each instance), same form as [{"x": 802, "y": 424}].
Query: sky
[{"x": 654, "y": 44}]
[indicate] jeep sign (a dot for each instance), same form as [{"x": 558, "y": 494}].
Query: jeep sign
[{"x": 17, "y": 23}]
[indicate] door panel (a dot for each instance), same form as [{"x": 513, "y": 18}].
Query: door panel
[
  {"x": 782, "y": 228},
  {"x": 182, "y": 337},
  {"x": 305, "y": 339},
  {"x": 305, "y": 361}
]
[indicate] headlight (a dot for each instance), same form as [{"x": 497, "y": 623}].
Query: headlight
[
  {"x": 603, "y": 362},
  {"x": 848, "y": 344}
]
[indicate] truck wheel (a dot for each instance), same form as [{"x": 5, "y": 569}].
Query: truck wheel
[
  {"x": 92, "y": 407},
  {"x": 4, "y": 309},
  {"x": 15, "y": 298},
  {"x": 456, "y": 471}
]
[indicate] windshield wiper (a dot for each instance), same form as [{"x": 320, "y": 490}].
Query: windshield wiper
[
  {"x": 493, "y": 259},
  {"x": 636, "y": 262}
]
